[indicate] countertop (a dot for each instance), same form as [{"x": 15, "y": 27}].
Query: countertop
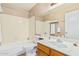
[{"x": 69, "y": 50}]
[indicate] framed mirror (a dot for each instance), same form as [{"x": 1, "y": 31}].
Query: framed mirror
[{"x": 53, "y": 28}]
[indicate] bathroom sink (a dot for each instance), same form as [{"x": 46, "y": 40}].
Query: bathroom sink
[
  {"x": 62, "y": 46},
  {"x": 58, "y": 44}
]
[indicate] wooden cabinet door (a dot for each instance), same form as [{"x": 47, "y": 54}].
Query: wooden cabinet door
[
  {"x": 55, "y": 53},
  {"x": 46, "y": 51},
  {"x": 41, "y": 53},
  {"x": 43, "y": 48}
]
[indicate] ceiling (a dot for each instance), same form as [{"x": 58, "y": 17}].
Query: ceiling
[
  {"x": 17, "y": 6},
  {"x": 43, "y": 9},
  {"x": 37, "y": 9}
]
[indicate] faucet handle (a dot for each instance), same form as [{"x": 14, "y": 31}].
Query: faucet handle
[{"x": 75, "y": 44}]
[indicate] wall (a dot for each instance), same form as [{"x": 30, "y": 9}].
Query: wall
[
  {"x": 0, "y": 34},
  {"x": 59, "y": 13},
  {"x": 14, "y": 28},
  {"x": 15, "y": 31},
  {"x": 0, "y": 26},
  {"x": 35, "y": 26},
  {"x": 46, "y": 29},
  {"x": 0, "y": 8},
  {"x": 39, "y": 26},
  {"x": 31, "y": 27}
]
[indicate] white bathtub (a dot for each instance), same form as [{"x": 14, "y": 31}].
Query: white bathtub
[
  {"x": 16, "y": 49},
  {"x": 11, "y": 50}
]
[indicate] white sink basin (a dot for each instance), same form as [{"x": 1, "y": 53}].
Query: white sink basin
[{"x": 60, "y": 45}]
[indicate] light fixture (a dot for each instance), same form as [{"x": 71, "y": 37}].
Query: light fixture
[{"x": 52, "y": 4}]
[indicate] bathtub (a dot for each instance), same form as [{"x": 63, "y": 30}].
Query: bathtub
[
  {"x": 11, "y": 50},
  {"x": 18, "y": 49},
  {"x": 30, "y": 48}
]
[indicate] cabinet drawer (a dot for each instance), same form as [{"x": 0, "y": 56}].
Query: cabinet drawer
[
  {"x": 43, "y": 48},
  {"x": 41, "y": 53},
  {"x": 55, "y": 53}
]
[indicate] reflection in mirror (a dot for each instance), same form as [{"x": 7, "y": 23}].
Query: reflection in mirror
[{"x": 53, "y": 28}]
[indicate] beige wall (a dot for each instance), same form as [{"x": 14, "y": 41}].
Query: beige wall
[
  {"x": 59, "y": 13},
  {"x": 35, "y": 26},
  {"x": 18, "y": 29},
  {"x": 39, "y": 27},
  {"x": 14, "y": 31},
  {"x": 14, "y": 28},
  {"x": 31, "y": 27}
]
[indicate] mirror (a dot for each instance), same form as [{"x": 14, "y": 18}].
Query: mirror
[
  {"x": 53, "y": 28},
  {"x": 72, "y": 25}
]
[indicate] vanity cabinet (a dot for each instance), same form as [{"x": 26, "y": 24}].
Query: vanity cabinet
[
  {"x": 41, "y": 53},
  {"x": 55, "y": 53},
  {"x": 43, "y": 50}
]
